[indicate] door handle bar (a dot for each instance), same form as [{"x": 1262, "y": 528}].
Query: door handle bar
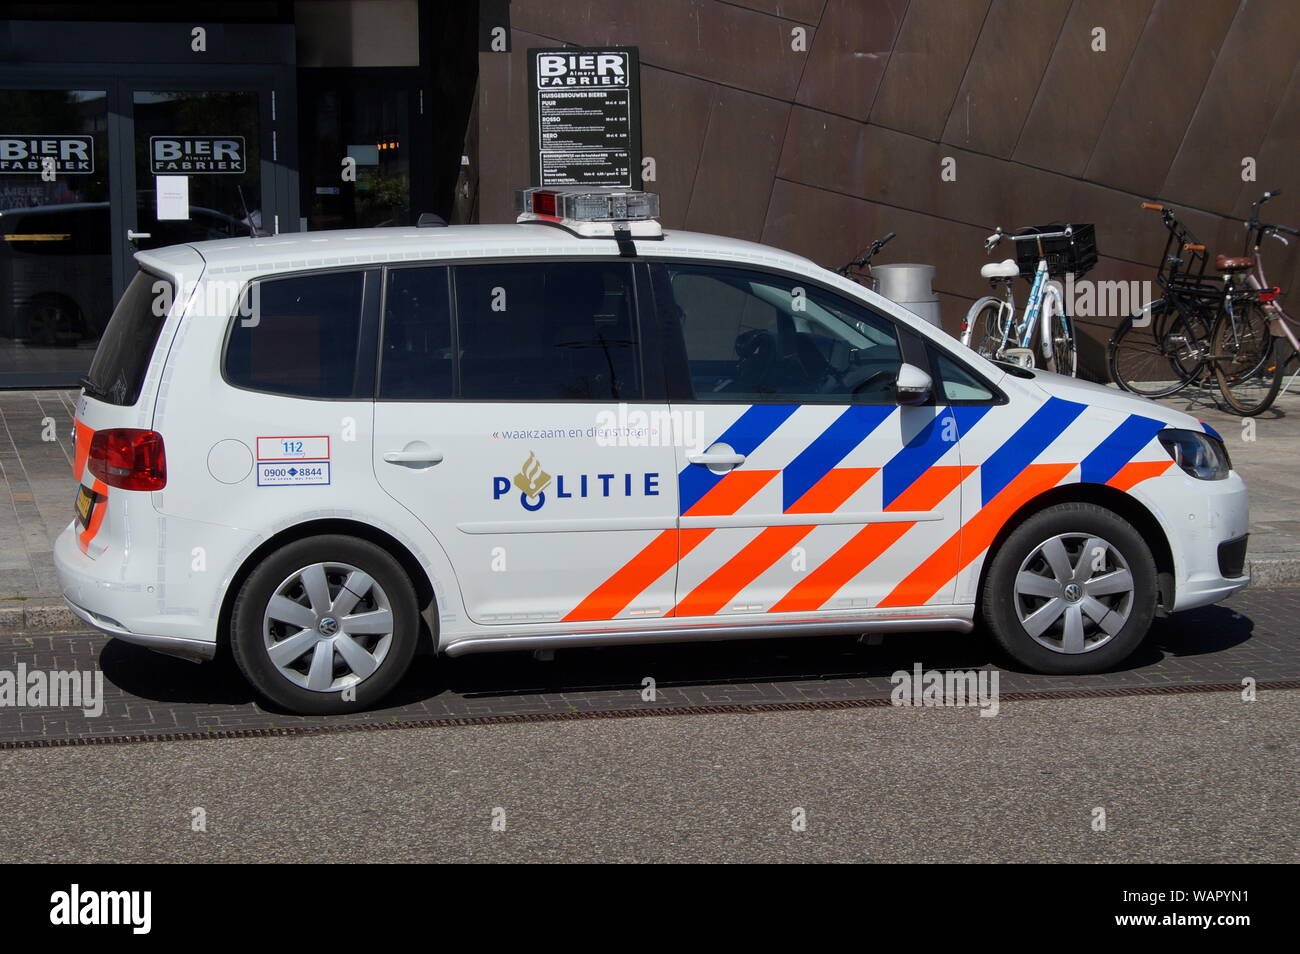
[
  {"x": 717, "y": 460},
  {"x": 413, "y": 457}
]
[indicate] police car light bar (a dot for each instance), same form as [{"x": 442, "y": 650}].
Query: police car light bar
[{"x": 592, "y": 211}]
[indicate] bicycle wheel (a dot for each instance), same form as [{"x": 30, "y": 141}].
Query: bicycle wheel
[
  {"x": 1062, "y": 351},
  {"x": 985, "y": 329},
  {"x": 1245, "y": 359},
  {"x": 1160, "y": 357}
]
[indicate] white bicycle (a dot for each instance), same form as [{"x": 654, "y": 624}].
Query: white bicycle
[{"x": 991, "y": 327}]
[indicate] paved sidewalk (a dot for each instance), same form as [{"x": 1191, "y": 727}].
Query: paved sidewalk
[
  {"x": 36, "y": 490},
  {"x": 36, "y": 476}
]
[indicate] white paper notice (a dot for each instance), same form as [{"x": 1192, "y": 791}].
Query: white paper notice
[{"x": 173, "y": 197}]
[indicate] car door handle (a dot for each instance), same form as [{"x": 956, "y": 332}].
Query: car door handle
[
  {"x": 132, "y": 236},
  {"x": 413, "y": 457},
  {"x": 717, "y": 460}
]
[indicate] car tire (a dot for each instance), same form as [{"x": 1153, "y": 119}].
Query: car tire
[
  {"x": 369, "y": 627},
  {"x": 1072, "y": 589}
]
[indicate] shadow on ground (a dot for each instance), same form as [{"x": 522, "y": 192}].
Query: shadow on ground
[{"x": 686, "y": 666}]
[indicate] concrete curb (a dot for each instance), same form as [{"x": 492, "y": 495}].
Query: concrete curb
[
  {"x": 1274, "y": 571},
  {"x": 49, "y": 614},
  {"x": 39, "y": 614}
]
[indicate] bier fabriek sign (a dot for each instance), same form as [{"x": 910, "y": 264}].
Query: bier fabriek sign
[
  {"x": 197, "y": 155},
  {"x": 35, "y": 153},
  {"x": 585, "y": 116}
]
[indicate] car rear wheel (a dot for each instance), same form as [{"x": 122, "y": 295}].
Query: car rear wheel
[
  {"x": 1071, "y": 590},
  {"x": 325, "y": 625}
]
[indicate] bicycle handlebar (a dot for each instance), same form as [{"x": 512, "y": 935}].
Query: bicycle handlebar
[
  {"x": 1041, "y": 235},
  {"x": 865, "y": 258}
]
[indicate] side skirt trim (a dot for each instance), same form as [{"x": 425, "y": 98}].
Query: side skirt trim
[{"x": 709, "y": 632}]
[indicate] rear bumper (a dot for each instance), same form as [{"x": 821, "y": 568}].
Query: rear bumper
[
  {"x": 192, "y": 649},
  {"x": 102, "y": 594}
]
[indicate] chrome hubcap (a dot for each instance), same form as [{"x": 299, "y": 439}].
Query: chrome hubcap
[
  {"x": 328, "y": 626},
  {"x": 1073, "y": 593}
]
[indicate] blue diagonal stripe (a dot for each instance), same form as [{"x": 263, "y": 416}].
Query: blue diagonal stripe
[
  {"x": 1018, "y": 451},
  {"x": 829, "y": 448},
  {"x": 927, "y": 446},
  {"x": 749, "y": 430},
  {"x": 1119, "y": 448}
]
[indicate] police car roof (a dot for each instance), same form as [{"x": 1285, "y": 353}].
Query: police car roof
[{"x": 302, "y": 251}]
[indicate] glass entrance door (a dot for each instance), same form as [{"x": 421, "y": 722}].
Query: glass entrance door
[
  {"x": 197, "y": 163},
  {"x": 95, "y": 168},
  {"x": 56, "y": 263}
]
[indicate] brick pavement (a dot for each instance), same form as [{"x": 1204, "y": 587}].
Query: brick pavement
[{"x": 1254, "y": 634}]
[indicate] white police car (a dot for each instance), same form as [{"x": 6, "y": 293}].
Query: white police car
[{"x": 322, "y": 452}]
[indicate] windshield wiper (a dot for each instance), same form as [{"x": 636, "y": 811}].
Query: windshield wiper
[{"x": 91, "y": 389}]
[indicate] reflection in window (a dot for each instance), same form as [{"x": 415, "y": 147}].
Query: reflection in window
[
  {"x": 753, "y": 336},
  {"x": 56, "y": 277},
  {"x": 417, "y": 357},
  {"x": 301, "y": 338},
  {"x": 560, "y": 331}
]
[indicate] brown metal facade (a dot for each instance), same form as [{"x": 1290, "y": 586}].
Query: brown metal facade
[{"x": 820, "y": 151}]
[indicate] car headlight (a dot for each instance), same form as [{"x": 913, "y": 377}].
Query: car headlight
[{"x": 1200, "y": 455}]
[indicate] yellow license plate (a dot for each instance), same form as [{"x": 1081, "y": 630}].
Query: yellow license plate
[{"x": 85, "y": 505}]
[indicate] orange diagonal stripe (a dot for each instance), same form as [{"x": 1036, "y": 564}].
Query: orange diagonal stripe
[
  {"x": 731, "y": 493},
  {"x": 82, "y": 448},
  {"x": 631, "y": 579},
  {"x": 1134, "y": 473},
  {"x": 825, "y": 496},
  {"x": 97, "y": 518},
  {"x": 925, "y": 493},
  {"x": 974, "y": 537},
  {"x": 662, "y": 553}
]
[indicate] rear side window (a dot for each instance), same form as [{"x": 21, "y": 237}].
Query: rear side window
[
  {"x": 547, "y": 331},
  {"x": 301, "y": 337},
  {"x": 417, "y": 352},
  {"x": 122, "y": 358}
]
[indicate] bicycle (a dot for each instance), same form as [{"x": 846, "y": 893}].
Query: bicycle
[
  {"x": 860, "y": 267},
  {"x": 1245, "y": 338},
  {"x": 990, "y": 326},
  {"x": 1164, "y": 346}
]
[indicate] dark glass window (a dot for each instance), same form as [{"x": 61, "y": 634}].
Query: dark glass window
[
  {"x": 547, "y": 331},
  {"x": 301, "y": 336},
  {"x": 757, "y": 337},
  {"x": 955, "y": 382},
  {"x": 417, "y": 357},
  {"x": 118, "y": 368}
]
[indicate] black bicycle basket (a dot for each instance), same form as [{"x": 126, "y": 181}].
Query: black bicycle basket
[{"x": 1077, "y": 254}]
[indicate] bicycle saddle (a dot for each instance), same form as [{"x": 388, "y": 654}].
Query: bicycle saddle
[
  {"x": 1007, "y": 268},
  {"x": 1227, "y": 263}
]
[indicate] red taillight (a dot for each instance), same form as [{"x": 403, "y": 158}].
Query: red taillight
[
  {"x": 1270, "y": 294},
  {"x": 129, "y": 458}
]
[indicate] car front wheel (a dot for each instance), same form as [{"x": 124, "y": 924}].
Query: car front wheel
[
  {"x": 325, "y": 625},
  {"x": 1071, "y": 590}
]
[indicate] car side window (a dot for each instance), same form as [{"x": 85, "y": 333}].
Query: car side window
[
  {"x": 300, "y": 336},
  {"x": 417, "y": 359},
  {"x": 956, "y": 384},
  {"x": 757, "y": 337},
  {"x": 547, "y": 331}
]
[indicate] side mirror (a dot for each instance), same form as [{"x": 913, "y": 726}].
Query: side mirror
[{"x": 912, "y": 386}]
